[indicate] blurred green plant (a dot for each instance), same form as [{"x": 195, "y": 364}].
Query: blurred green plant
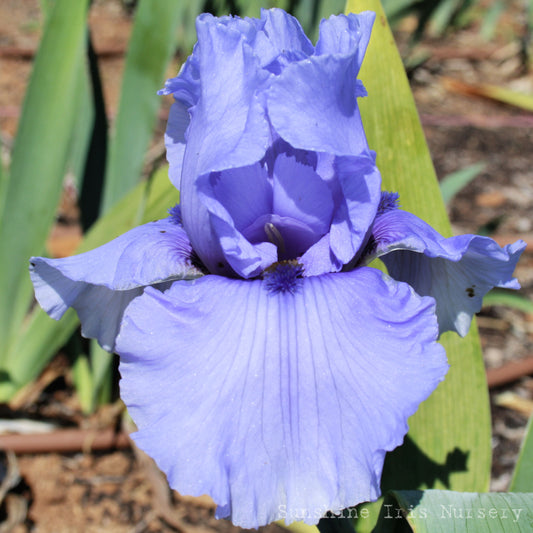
[
  {"x": 63, "y": 128},
  {"x": 451, "y": 184}
]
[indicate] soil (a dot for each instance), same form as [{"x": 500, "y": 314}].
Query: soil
[{"x": 120, "y": 490}]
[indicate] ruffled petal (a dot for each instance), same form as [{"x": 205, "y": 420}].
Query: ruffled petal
[
  {"x": 300, "y": 193},
  {"x": 228, "y": 127},
  {"x": 231, "y": 214},
  {"x": 278, "y": 401},
  {"x": 101, "y": 283},
  {"x": 280, "y": 41},
  {"x": 345, "y": 34},
  {"x": 312, "y": 104},
  {"x": 175, "y": 142},
  {"x": 457, "y": 271},
  {"x": 360, "y": 182}
]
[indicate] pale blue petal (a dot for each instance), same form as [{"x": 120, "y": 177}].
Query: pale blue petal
[
  {"x": 300, "y": 193},
  {"x": 231, "y": 213},
  {"x": 280, "y": 41},
  {"x": 245, "y": 193},
  {"x": 185, "y": 87},
  {"x": 175, "y": 142},
  {"x": 100, "y": 284},
  {"x": 277, "y": 403},
  {"x": 228, "y": 129},
  {"x": 457, "y": 271},
  {"x": 312, "y": 104},
  {"x": 344, "y": 34},
  {"x": 319, "y": 259},
  {"x": 360, "y": 182}
]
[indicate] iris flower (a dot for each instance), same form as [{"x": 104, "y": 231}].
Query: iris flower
[{"x": 263, "y": 362}]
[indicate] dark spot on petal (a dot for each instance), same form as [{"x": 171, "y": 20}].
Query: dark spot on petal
[
  {"x": 470, "y": 291},
  {"x": 220, "y": 264},
  {"x": 32, "y": 264},
  {"x": 162, "y": 231}
]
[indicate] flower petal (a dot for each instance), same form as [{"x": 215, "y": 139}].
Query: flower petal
[
  {"x": 231, "y": 213},
  {"x": 360, "y": 182},
  {"x": 278, "y": 402},
  {"x": 345, "y": 34},
  {"x": 300, "y": 193},
  {"x": 175, "y": 142},
  {"x": 101, "y": 283},
  {"x": 228, "y": 128},
  {"x": 457, "y": 271},
  {"x": 281, "y": 40},
  {"x": 312, "y": 104}
]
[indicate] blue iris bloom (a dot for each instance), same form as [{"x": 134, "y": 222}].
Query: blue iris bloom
[{"x": 263, "y": 362}]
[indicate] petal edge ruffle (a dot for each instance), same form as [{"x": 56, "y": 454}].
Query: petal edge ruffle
[
  {"x": 278, "y": 403},
  {"x": 456, "y": 271},
  {"x": 101, "y": 283}
]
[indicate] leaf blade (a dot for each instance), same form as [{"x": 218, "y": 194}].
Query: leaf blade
[
  {"x": 39, "y": 156},
  {"x": 150, "y": 48},
  {"x": 394, "y": 131}
]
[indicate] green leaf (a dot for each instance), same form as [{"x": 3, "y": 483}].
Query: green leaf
[
  {"x": 443, "y": 15},
  {"x": 39, "y": 157},
  {"x": 250, "y": 8},
  {"x": 523, "y": 473},
  {"x": 436, "y": 511},
  {"x": 491, "y": 18},
  {"x": 151, "y": 45},
  {"x": 92, "y": 376},
  {"x": 438, "y": 452},
  {"x": 186, "y": 30},
  {"x": 94, "y": 158},
  {"x": 508, "y": 299},
  {"x": 451, "y": 184},
  {"x": 40, "y": 337}
]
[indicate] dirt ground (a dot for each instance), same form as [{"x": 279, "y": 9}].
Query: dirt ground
[{"x": 120, "y": 490}]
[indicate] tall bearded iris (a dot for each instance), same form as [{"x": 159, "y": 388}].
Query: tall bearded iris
[{"x": 263, "y": 363}]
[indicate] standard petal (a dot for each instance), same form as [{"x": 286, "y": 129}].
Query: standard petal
[
  {"x": 279, "y": 402},
  {"x": 344, "y": 34},
  {"x": 228, "y": 128},
  {"x": 313, "y": 103},
  {"x": 101, "y": 283},
  {"x": 313, "y": 106},
  {"x": 281, "y": 40},
  {"x": 457, "y": 271},
  {"x": 175, "y": 142},
  {"x": 360, "y": 182},
  {"x": 231, "y": 213},
  {"x": 300, "y": 193}
]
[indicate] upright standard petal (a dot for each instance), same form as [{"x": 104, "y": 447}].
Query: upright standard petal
[
  {"x": 231, "y": 214},
  {"x": 228, "y": 128},
  {"x": 457, "y": 271},
  {"x": 360, "y": 182},
  {"x": 280, "y": 41},
  {"x": 175, "y": 142},
  {"x": 312, "y": 104},
  {"x": 278, "y": 397},
  {"x": 101, "y": 283}
]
